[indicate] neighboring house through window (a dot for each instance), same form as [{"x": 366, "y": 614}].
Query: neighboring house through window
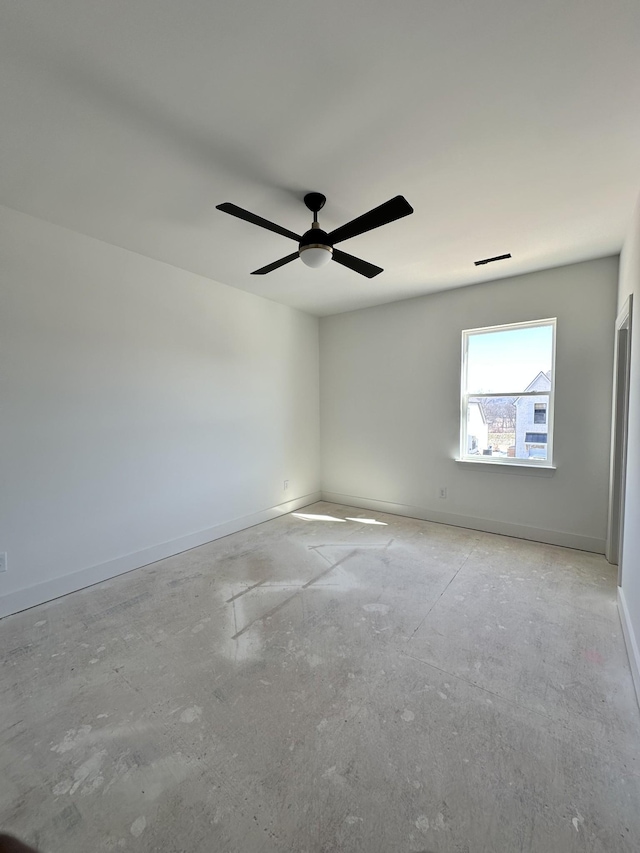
[
  {"x": 531, "y": 413},
  {"x": 507, "y": 393},
  {"x": 477, "y": 427}
]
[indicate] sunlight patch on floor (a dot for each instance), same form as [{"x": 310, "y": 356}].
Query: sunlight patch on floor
[
  {"x": 367, "y": 521},
  {"x": 307, "y": 516}
]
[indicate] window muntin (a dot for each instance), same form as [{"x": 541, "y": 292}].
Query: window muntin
[{"x": 507, "y": 393}]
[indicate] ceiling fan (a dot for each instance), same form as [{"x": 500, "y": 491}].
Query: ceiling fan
[{"x": 316, "y": 247}]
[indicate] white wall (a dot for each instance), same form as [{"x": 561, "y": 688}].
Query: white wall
[
  {"x": 390, "y": 407},
  {"x": 144, "y": 409},
  {"x": 139, "y": 405},
  {"x": 630, "y": 591}
]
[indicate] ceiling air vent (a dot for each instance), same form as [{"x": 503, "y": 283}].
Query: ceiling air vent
[{"x": 491, "y": 260}]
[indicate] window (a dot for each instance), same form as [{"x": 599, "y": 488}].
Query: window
[
  {"x": 539, "y": 413},
  {"x": 507, "y": 393},
  {"x": 536, "y": 437}
]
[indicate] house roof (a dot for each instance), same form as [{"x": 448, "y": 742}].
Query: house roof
[
  {"x": 472, "y": 402},
  {"x": 509, "y": 126},
  {"x": 545, "y": 375}
]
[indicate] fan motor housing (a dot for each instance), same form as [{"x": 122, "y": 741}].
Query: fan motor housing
[{"x": 315, "y": 237}]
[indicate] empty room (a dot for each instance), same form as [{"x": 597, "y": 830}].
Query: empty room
[{"x": 319, "y": 426}]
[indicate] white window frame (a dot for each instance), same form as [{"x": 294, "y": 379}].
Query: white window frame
[{"x": 465, "y": 395}]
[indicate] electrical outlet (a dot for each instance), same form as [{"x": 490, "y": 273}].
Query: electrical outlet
[
  {"x": 286, "y": 485},
  {"x": 3, "y": 561},
  {"x": 443, "y": 492}
]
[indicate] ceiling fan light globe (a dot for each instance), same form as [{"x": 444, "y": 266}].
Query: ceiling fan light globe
[{"x": 316, "y": 256}]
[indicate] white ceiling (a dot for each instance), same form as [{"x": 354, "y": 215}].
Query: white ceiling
[{"x": 509, "y": 125}]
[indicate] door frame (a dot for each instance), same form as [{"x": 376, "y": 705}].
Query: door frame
[{"x": 619, "y": 436}]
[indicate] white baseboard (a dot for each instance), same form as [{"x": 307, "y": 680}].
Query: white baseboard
[
  {"x": 504, "y": 528},
  {"x": 22, "y": 599},
  {"x": 630, "y": 640}
]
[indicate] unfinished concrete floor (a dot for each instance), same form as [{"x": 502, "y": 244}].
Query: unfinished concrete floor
[{"x": 315, "y": 684}]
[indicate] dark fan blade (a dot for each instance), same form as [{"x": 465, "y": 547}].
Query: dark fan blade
[
  {"x": 241, "y": 213},
  {"x": 356, "y": 264},
  {"x": 275, "y": 265},
  {"x": 395, "y": 208}
]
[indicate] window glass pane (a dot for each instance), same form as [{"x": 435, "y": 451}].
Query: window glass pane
[
  {"x": 508, "y": 360},
  {"x": 504, "y": 426}
]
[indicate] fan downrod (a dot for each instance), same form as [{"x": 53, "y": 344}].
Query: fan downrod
[{"x": 315, "y": 202}]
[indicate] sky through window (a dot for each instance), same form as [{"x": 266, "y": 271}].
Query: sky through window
[{"x": 507, "y": 361}]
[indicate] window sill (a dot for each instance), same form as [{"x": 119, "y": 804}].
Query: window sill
[{"x": 493, "y": 465}]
